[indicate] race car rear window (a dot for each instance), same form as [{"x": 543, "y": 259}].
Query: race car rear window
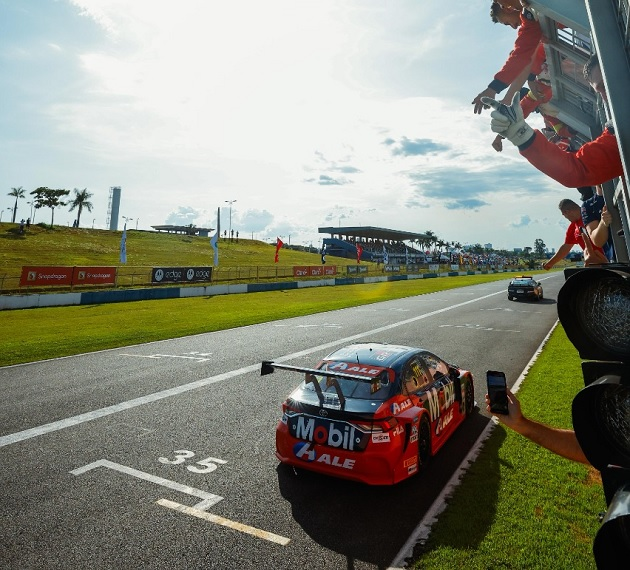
[{"x": 377, "y": 386}]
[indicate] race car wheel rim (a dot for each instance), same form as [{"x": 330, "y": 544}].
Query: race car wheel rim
[{"x": 424, "y": 442}]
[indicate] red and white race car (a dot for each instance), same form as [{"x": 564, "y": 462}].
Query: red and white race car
[{"x": 372, "y": 412}]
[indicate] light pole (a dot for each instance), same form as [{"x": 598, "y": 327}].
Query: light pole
[
  {"x": 137, "y": 220},
  {"x": 230, "y": 202},
  {"x": 31, "y": 205},
  {"x": 127, "y": 220},
  {"x": 93, "y": 223}
]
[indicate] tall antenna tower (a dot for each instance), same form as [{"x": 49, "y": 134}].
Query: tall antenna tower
[{"x": 113, "y": 208}]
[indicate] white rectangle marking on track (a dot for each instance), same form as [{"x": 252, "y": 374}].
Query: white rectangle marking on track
[{"x": 208, "y": 499}]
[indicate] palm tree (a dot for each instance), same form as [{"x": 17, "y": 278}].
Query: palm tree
[
  {"x": 81, "y": 200},
  {"x": 17, "y": 193}
]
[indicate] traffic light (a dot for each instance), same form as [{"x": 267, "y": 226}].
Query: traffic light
[{"x": 594, "y": 309}]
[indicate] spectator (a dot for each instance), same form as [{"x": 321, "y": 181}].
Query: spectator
[
  {"x": 562, "y": 442},
  {"x": 596, "y": 219},
  {"x": 527, "y": 40},
  {"x": 594, "y": 163},
  {"x": 576, "y": 235}
]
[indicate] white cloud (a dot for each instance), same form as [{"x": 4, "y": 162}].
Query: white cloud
[{"x": 308, "y": 113}]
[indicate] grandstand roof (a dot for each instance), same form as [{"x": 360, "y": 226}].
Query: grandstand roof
[
  {"x": 371, "y": 232},
  {"x": 190, "y": 230}
]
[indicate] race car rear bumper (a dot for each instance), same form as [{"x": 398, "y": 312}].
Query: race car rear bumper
[{"x": 380, "y": 464}]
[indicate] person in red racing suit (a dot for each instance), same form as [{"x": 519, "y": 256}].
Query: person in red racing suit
[
  {"x": 527, "y": 40},
  {"x": 594, "y": 163}
]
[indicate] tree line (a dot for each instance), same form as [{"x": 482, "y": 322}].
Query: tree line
[{"x": 44, "y": 197}]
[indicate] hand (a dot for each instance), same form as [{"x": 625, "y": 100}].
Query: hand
[
  {"x": 508, "y": 121},
  {"x": 606, "y": 216},
  {"x": 514, "y": 415},
  {"x": 479, "y": 106},
  {"x": 497, "y": 143}
]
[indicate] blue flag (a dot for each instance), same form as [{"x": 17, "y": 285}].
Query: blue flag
[
  {"x": 214, "y": 244},
  {"x": 385, "y": 256},
  {"x": 123, "y": 245}
]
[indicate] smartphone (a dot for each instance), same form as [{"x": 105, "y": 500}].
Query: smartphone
[{"x": 497, "y": 392}]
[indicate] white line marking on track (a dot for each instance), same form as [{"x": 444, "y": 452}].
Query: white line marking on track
[
  {"x": 208, "y": 499},
  {"x": 225, "y": 522},
  {"x": 149, "y": 398}
]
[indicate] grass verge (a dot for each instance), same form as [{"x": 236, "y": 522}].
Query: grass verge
[
  {"x": 520, "y": 506},
  {"x": 38, "y": 334}
]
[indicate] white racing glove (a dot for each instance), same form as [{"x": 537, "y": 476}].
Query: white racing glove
[{"x": 508, "y": 121}]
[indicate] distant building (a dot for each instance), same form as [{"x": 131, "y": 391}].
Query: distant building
[{"x": 188, "y": 230}]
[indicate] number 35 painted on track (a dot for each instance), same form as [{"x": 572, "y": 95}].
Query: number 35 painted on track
[{"x": 208, "y": 464}]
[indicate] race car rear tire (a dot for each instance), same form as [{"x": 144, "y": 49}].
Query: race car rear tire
[
  {"x": 510, "y": 298},
  {"x": 424, "y": 442}
]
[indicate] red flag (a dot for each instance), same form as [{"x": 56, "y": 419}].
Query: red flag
[
  {"x": 279, "y": 244},
  {"x": 359, "y": 252}
]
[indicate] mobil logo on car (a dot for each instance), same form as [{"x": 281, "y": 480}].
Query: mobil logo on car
[{"x": 340, "y": 435}]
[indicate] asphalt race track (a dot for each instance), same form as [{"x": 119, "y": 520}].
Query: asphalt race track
[{"x": 161, "y": 455}]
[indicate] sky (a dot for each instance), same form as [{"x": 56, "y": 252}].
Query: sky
[{"x": 301, "y": 113}]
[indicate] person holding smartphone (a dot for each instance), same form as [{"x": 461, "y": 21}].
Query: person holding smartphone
[{"x": 562, "y": 442}]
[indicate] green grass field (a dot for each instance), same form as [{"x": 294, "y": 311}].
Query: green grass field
[{"x": 518, "y": 506}]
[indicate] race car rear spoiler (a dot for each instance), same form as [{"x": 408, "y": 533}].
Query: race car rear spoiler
[{"x": 269, "y": 367}]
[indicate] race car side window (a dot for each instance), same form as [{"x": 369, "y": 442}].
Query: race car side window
[
  {"x": 415, "y": 376},
  {"x": 437, "y": 368}
]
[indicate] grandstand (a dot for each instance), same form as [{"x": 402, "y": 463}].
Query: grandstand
[
  {"x": 601, "y": 26},
  {"x": 343, "y": 242}
]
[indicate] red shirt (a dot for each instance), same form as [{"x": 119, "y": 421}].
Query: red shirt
[
  {"x": 527, "y": 40},
  {"x": 574, "y": 236},
  {"x": 594, "y": 163}
]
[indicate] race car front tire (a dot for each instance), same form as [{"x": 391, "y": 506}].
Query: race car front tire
[{"x": 424, "y": 442}]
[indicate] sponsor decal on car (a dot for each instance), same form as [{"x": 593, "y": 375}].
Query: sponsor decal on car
[
  {"x": 397, "y": 408},
  {"x": 398, "y": 430},
  {"x": 357, "y": 369},
  {"x": 440, "y": 401},
  {"x": 414, "y": 434},
  {"x": 411, "y": 461},
  {"x": 443, "y": 422},
  {"x": 333, "y": 434},
  {"x": 304, "y": 451},
  {"x": 380, "y": 438}
]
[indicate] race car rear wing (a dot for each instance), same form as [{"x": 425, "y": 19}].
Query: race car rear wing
[{"x": 269, "y": 367}]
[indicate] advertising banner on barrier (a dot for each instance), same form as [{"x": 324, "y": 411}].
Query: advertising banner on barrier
[
  {"x": 94, "y": 276},
  {"x": 52, "y": 275},
  {"x": 45, "y": 276},
  {"x": 314, "y": 270},
  {"x": 181, "y": 275},
  {"x": 300, "y": 271}
]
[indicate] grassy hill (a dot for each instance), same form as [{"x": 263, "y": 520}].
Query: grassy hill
[{"x": 81, "y": 246}]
